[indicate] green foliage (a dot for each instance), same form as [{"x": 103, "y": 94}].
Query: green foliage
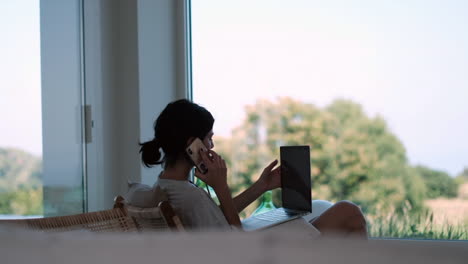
[
  {"x": 353, "y": 156},
  {"x": 439, "y": 183},
  {"x": 20, "y": 183},
  {"x": 22, "y": 202},
  {"x": 19, "y": 169},
  {"x": 419, "y": 225},
  {"x": 463, "y": 176}
]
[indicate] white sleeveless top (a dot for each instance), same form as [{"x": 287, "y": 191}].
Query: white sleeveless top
[{"x": 192, "y": 204}]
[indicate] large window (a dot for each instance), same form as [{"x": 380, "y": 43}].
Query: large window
[
  {"x": 41, "y": 170},
  {"x": 377, "y": 89},
  {"x": 20, "y": 108}
]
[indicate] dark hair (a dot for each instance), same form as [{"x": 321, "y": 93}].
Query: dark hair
[{"x": 179, "y": 121}]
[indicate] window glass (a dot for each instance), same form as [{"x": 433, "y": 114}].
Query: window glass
[
  {"x": 20, "y": 108},
  {"x": 377, "y": 89},
  {"x": 27, "y": 189}
]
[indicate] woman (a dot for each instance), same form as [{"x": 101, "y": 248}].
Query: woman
[{"x": 174, "y": 130}]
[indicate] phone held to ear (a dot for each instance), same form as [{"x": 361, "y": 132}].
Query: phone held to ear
[{"x": 194, "y": 153}]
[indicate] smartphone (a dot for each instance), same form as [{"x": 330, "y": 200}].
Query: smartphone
[{"x": 194, "y": 153}]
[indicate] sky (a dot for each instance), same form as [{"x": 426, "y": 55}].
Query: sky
[
  {"x": 20, "y": 76},
  {"x": 406, "y": 60}
]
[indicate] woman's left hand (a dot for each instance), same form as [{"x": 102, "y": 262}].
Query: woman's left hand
[{"x": 270, "y": 178}]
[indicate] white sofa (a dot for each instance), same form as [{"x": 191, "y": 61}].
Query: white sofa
[{"x": 17, "y": 246}]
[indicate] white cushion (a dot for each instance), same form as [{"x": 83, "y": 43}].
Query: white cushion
[
  {"x": 144, "y": 196},
  {"x": 318, "y": 207}
]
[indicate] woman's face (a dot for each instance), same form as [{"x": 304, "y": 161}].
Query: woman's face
[{"x": 208, "y": 140}]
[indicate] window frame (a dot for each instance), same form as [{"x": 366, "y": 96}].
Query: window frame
[{"x": 373, "y": 238}]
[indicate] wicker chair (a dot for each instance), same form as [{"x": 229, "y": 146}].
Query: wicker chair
[
  {"x": 114, "y": 220},
  {"x": 159, "y": 218}
]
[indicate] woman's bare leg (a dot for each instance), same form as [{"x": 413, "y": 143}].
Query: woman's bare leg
[{"x": 343, "y": 218}]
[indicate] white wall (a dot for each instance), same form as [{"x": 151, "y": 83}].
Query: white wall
[
  {"x": 133, "y": 67},
  {"x": 111, "y": 74},
  {"x": 163, "y": 64}
]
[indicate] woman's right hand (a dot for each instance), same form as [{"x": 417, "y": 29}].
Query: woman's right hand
[{"x": 216, "y": 176}]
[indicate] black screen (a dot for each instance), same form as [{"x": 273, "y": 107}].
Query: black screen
[{"x": 295, "y": 178}]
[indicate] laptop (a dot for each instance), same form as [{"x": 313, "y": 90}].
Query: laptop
[{"x": 295, "y": 190}]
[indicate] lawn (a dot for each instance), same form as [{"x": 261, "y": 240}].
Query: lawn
[{"x": 445, "y": 219}]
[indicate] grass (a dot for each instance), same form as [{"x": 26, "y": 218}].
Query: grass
[{"x": 416, "y": 226}]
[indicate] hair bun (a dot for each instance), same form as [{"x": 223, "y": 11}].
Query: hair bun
[
  {"x": 155, "y": 144},
  {"x": 150, "y": 153}
]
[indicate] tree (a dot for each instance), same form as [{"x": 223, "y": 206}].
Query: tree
[
  {"x": 439, "y": 183},
  {"x": 463, "y": 176},
  {"x": 20, "y": 183},
  {"x": 19, "y": 168},
  {"x": 353, "y": 156}
]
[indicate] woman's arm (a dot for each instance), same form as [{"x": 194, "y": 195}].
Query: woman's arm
[
  {"x": 269, "y": 179},
  {"x": 216, "y": 177},
  {"x": 247, "y": 197},
  {"x": 227, "y": 205}
]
